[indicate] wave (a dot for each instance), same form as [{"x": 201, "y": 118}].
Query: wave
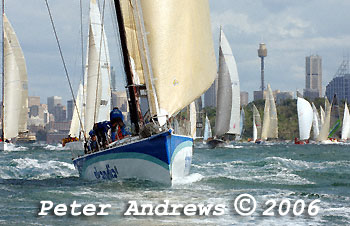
[
  {"x": 54, "y": 148},
  {"x": 13, "y": 147},
  {"x": 27, "y": 168},
  {"x": 190, "y": 179}
]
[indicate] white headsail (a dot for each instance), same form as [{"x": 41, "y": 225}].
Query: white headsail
[
  {"x": 316, "y": 124},
  {"x": 98, "y": 91},
  {"x": 346, "y": 123},
  {"x": 228, "y": 96},
  {"x": 15, "y": 85},
  {"x": 305, "y": 115}
]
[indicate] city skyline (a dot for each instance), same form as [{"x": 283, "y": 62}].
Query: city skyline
[{"x": 289, "y": 30}]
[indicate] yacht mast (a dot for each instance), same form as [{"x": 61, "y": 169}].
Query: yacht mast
[
  {"x": 134, "y": 102},
  {"x": 3, "y": 71}
]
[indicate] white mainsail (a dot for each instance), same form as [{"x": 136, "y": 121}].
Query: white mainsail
[
  {"x": 75, "y": 127},
  {"x": 256, "y": 124},
  {"x": 305, "y": 115},
  {"x": 346, "y": 123},
  {"x": 98, "y": 90},
  {"x": 228, "y": 96},
  {"x": 316, "y": 124},
  {"x": 207, "y": 129},
  {"x": 15, "y": 85},
  {"x": 270, "y": 123},
  {"x": 323, "y": 136}
]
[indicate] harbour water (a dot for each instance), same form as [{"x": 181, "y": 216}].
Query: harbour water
[{"x": 35, "y": 173}]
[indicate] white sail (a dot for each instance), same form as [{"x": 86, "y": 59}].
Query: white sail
[
  {"x": 270, "y": 124},
  {"x": 98, "y": 91},
  {"x": 305, "y": 115},
  {"x": 323, "y": 136},
  {"x": 193, "y": 119},
  {"x": 15, "y": 85},
  {"x": 228, "y": 96},
  {"x": 316, "y": 124},
  {"x": 207, "y": 129},
  {"x": 75, "y": 127},
  {"x": 256, "y": 124},
  {"x": 346, "y": 123},
  {"x": 323, "y": 115}
]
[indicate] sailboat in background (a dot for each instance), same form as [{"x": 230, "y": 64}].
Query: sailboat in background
[
  {"x": 345, "y": 132},
  {"x": 322, "y": 115},
  {"x": 305, "y": 116},
  {"x": 15, "y": 90},
  {"x": 335, "y": 123},
  {"x": 241, "y": 123},
  {"x": 173, "y": 68},
  {"x": 316, "y": 122},
  {"x": 228, "y": 96},
  {"x": 270, "y": 123},
  {"x": 94, "y": 96},
  {"x": 256, "y": 125},
  {"x": 323, "y": 136},
  {"x": 207, "y": 130}
]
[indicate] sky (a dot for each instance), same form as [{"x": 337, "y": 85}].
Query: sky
[{"x": 291, "y": 29}]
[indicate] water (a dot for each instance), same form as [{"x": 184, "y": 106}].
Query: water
[{"x": 34, "y": 173}]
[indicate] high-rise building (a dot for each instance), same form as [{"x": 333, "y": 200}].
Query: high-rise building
[
  {"x": 52, "y": 102},
  {"x": 70, "y": 109},
  {"x": 340, "y": 84},
  {"x": 244, "y": 98},
  {"x": 210, "y": 95},
  {"x": 60, "y": 113},
  {"x": 313, "y": 77},
  {"x": 33, "y": 101}
]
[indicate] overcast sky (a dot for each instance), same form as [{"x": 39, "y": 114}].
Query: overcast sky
[{"x": 291, "y": 29}]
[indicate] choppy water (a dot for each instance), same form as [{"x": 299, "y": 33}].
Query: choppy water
[{"x": 35, "y": 173}]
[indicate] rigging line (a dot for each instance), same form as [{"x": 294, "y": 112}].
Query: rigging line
[
  {"x": 113, "y": 15},
  {"x": 64, "y": 64},
  {"x": 3, "y": 73},
  {"x": 99, "y": 60},
  {"x": 82, "y": 63}
]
